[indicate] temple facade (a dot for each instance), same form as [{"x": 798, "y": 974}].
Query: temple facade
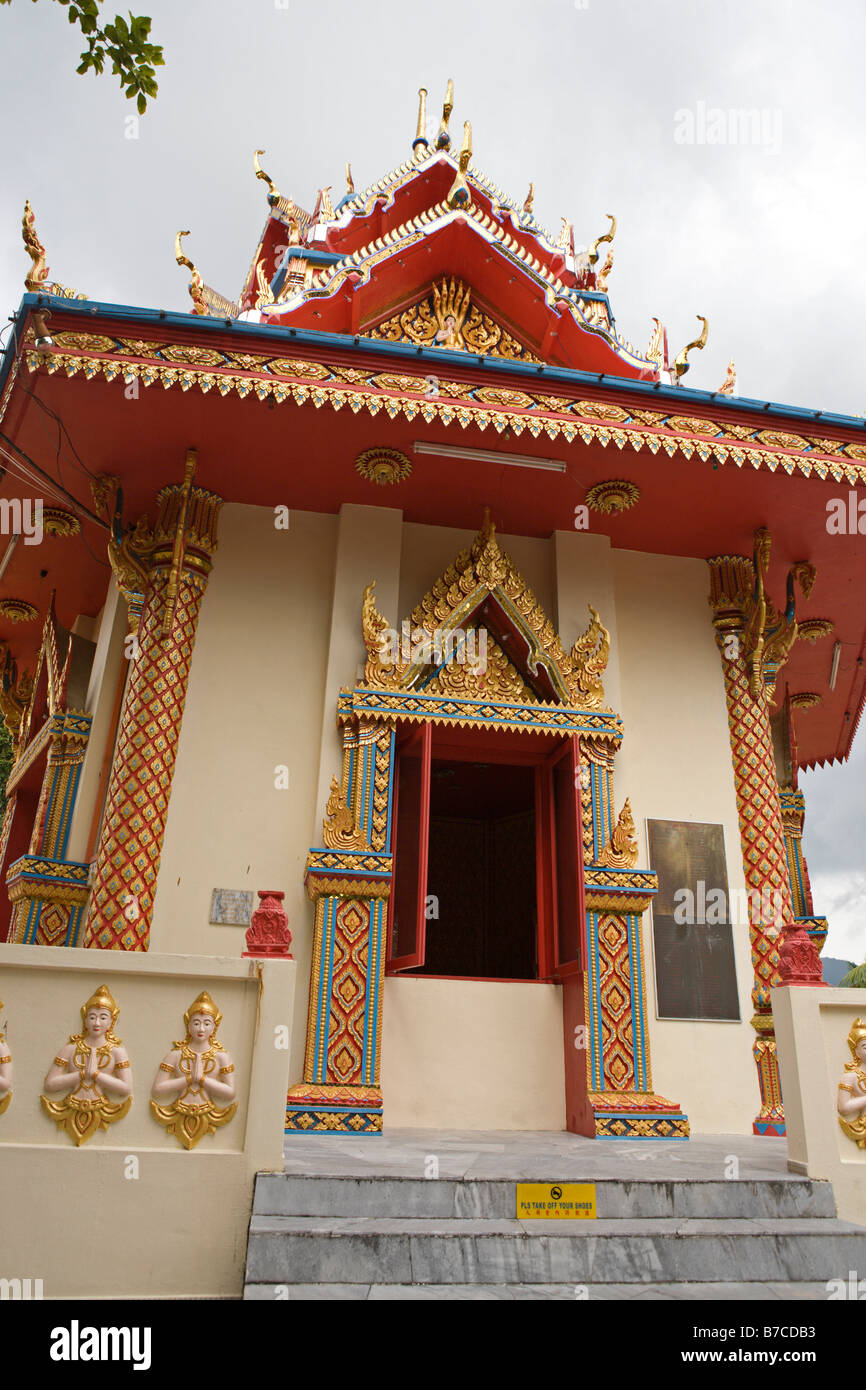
[{"x": 403, "y": 588}]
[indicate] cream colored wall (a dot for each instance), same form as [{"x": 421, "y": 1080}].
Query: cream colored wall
[
  {"x": 89, "y": 1221},
  {"x": 472, "y": 1054},
  {"x": 812, "y": 1028},
  {"x": 254, "y": 703},
  {"x": 675, "y": 764}
]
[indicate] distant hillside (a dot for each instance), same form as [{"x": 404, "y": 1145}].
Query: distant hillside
[{"x": 835, "y": 969}]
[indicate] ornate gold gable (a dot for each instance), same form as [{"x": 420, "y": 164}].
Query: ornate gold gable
[
  {"x": 448, "y": 317},
  {"x": 525, "y": 661}
]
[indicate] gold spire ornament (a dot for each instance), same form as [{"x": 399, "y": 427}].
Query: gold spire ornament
[
  {"x": 443, "y": 139},
  {"x": 681, "y": 363},
  {"x": 196, "y": 1078},
  {"x": 35, "y": 280},
  {"x": 421, "y": 130},
  {"x": 196, "y": 288},
  {"x": 606, "y": 236},
  {"x": 601, "y": 280},
  {"x": 530, "y": 199},
  {"x": 93, "y": 1068},
  {"x": 273, "y": 191},
  {"x": 729, "y": 385},
  {"x": 350, "y": 182},
  {"x": 458, "y": 193},
  {"x": 622, "y": 851}
]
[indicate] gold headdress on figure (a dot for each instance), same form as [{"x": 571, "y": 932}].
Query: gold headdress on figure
[
  {"x": 856, "y": 1035},
  {"x": 101, "y": 999},
  {"x": 203, "y": 1005}
]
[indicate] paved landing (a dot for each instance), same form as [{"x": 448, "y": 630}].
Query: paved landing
[{"x": 523, "y": 1155}]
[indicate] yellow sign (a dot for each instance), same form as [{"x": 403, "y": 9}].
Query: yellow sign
[{"x": 551, "y": 1201}]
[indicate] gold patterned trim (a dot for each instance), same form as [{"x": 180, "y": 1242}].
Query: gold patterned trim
[{"x": 739, "y": 445}]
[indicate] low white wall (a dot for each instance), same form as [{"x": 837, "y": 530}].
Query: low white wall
[
  {"x": 472, "y": 1054},
  {"x": 812, "y": 1027},
  {"x": 131, "y": 1213}
]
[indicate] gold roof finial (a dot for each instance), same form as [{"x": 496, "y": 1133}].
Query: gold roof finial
[
  {"x": 350, "y": 182},
  {"x": 458, "y": 193},
  {"x": 421, "y": 132},
  {"x": 196, "y": 289},
  {"x": 601, "y": 280},
  {"x": 38, "y": 274},
  {"x": 443, "y": 139},
  {"x": 607, "y": 236},
  {"x": 530, "y": 198},
  {"x": 273, "y": 191},
  {"x": 681, "y": 363}
]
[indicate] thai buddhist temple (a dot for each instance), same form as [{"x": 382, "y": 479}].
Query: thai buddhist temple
[{"x": 387, "y": 633}]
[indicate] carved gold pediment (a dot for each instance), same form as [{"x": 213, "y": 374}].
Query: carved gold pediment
[
  {"x": 483, "y": 594},
  {"x": 448, "y": 317}
]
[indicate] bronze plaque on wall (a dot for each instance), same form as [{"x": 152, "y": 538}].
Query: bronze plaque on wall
[{"x": 693, "y": 941}]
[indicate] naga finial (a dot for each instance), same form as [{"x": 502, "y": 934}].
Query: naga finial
[
  {"x": 606, "y": 236},
  {"x": 273, "y": 191},
  {"x": 326, "y": 207},
  {"x": 421, "y": 130},
  {"x": 530, "y": 199},
  {"x": 350, "y": 182},
  {"x": 443, "y": 139},
  {"x": 681, "y": 364},
  {"x": 196, "y": 290},
  {"x": 565, "y": 239},
  {"x": 458, "y": 193},
  {"x": 622, "y": 850},
  {"x": 38, "y": 274}
]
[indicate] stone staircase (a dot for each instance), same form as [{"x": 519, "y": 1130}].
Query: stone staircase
[{"x": 387, "y": 1237}]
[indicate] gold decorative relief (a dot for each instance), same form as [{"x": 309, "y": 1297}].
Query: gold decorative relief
[
  {"x": 805, "y": 699},
  {"x": 339, "y": 830},
  {"x": 5, "y": 1072},
  {"x": 383, "y": 466},
  {"x": 851, "y": 1094},
  {"x": 17, "y": 609},
  {"x": 58, "y": 522},
  {"x": 813, "y": 629},
  {"x": 449, "y": 318},
  {"x": 614, "y": 496},
  {"x": 622, "y": 851},
  {"x": 93, "y": 1071},
  {"x": 196, "y": 1078}
]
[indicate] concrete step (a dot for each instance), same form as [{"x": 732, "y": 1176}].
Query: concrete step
[
  {"x": 287, "y": 1194},
  {"x": 570, "y": 1293},
  {"x": 461, "y": 1251}
]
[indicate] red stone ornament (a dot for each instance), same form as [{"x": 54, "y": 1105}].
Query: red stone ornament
[
  {"x": 799, "y": 962},
  {"x": 268, "y": 935}
]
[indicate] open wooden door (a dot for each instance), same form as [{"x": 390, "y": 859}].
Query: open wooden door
[
  {"x": 569, "y": 927},
  {"x": 411, "y": 819}
]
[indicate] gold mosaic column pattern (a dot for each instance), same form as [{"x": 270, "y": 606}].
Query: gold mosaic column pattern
[
  {"x": 760, "y": 816},
  {"x": 130, "y": 844}
]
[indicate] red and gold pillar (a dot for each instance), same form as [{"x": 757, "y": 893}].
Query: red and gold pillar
[
  {"x": 130, "y": 844},
  {"x": 760, "y": 816}
]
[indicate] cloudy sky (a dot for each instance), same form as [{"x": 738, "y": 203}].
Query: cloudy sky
[{"x": 607, "y": 105}]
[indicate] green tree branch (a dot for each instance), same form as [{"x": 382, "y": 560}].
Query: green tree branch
[{"x": 126, "y": 45}]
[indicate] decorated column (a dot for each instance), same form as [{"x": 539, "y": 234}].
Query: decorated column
[
  {"x": 754, "y": 641},
  {"x": 166, "y": 574}
]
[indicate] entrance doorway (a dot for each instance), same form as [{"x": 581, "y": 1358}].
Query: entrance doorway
[{"x": 481, "y": 908}]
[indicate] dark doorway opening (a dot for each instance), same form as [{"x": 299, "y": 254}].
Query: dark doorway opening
[{"x": 481, "y": 906}]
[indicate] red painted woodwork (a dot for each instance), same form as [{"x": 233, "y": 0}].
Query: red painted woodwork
[{"x": 411, "y": 826}]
